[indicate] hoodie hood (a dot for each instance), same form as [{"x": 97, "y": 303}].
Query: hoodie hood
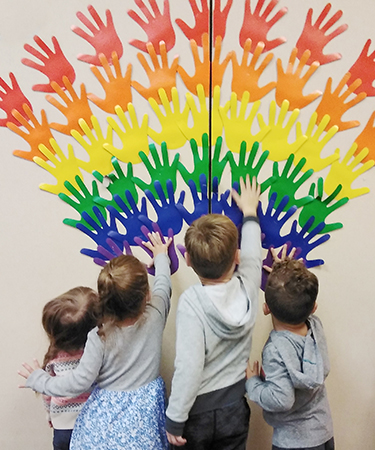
[{"x": 302, "y": 356}]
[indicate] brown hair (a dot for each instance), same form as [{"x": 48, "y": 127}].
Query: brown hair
[
  {"x": 291, "y": 291},
  {"x": 123, "y": 288},
  {"x": 211, "y": 242},
  {"x": 67, "y": 320}
]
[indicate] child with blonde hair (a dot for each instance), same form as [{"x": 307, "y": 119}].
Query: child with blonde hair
[{"x": 122, "y": 356}]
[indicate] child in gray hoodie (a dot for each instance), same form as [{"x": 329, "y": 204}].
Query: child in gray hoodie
[{"x": 290, "y": 386}]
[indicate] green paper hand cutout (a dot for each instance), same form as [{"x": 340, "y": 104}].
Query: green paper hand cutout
[
  {"x": 133, "y": 136},
  {"x": 320, "y": 209}
]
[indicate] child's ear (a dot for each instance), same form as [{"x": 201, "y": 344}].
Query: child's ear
[
  {"x": 237, "y": 257},
  {"x": 187, "y": 259},
  {"x": 315, "y": 308},
  {"x": 266, "y": 309}
]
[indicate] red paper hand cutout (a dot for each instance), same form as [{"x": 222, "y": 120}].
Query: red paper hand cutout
[
  {"x": 162, "y": 77},
  {"x": 158, "y": 27},
  {"x": 334, "y": 105},
  {"x": 76, "y": 108},
  {"x": 202, "y": 21},
  {"x": 104, "y": 38},
  {"x": 314, "y": 38},
  {"x": 12, "y": 98},
  {"x": 54, "y": 64},
  {"x": 117, "y": 88},
  {"x": 364, "y": 68},
  {"x": 36, "y": 133},
  {"x": 256, "y": 27},
  {"x": 367, "y": 139}
]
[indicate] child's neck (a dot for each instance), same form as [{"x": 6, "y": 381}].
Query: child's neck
[
  {"x": 301, "y": 329},
  {"x": 223, "y": 279}
]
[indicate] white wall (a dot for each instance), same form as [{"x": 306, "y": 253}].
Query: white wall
[{"x": 40, "y": 255}]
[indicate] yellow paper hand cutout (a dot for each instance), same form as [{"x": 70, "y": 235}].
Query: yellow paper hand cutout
[
  {"x": 276, "y": 141},
  {"x": 246, "y": 76},
  {"x": 343, "y": 173},
  {"x": 66, "y": 168},
  {"x": 162, "y": 76},
  {"x": 76, "y": 108},
  {"x": 100, "y": 158},
  {"x": 132, "y": 136},
  {"x": 237, "y": 126},
  {"x": 171, "y": 121},
  {"x": 312, "y": 147},
  {"x": 290, "y": 84},
  {"x": 367, "y": 139},
  {"x": 117, "y": 88}
]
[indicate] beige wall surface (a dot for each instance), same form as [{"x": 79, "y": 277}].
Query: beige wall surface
[{"x": 40, "y": 255}]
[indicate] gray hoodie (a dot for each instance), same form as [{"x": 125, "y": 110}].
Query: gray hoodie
[
  {"x": 213, "y": 337},
  {"x": 292, "y": 394}
]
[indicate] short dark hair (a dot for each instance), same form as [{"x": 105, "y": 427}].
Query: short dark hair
[
  {"x": 211, "y": 242},
  {"x": 291, "y": 291}
]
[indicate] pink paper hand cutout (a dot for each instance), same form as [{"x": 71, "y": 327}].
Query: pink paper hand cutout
[
  {"x": 367, "y": 139},
  {"x": 290, "y": 84},
  {"x": 246, "y": 78},
  {"x": 157, "y": 26},
  {"x": 162, "y": 76},
  {"x": 118, "y": 87},
  {"x": 104, "y": 38},
  {"x": 12, "y": 98},
  {"x": 54, "y": 64},
  {"x": 202, "y": 20},
  {"x": 76, "y": 108},
  {"x": 36, "y": 133},
  {"x": 364, "y": 68},
  {"x": 314, "y": 37},
  {"x": 333, "y": 104},
  {"x": 256, "y": 27}
]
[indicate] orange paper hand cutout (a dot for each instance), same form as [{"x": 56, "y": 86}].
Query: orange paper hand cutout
[
  {"x": 333, "y": 104},
  {"x": 76, "y": 107},
  {"x": 343, "y": 173},
  {"x": 117, "y": 88},
  {"x": 367, "y": 139},
  {"x": 36, "y": 133},
  {"x": 246, "y": 76},
  {"x": 291, "y": 84},
  {"x": 162, "y": 76},
  {"x": 218, "y": 68}
]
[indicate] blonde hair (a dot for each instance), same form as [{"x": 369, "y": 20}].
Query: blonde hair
[{"x": 211, "y": 242}]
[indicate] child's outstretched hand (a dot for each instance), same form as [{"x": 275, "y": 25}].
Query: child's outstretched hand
[
  {"x": 248, "y": 200},
  {"x": 28, "y": 370},
  {"x": 156, "y": 245},
  {"x": 281, "y": 256},
  {"x": 252, "y": 371}
]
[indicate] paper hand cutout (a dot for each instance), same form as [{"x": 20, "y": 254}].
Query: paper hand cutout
[
  {"x": 320, "y": 208},
  {"x": 276, "y": 139},
  {"x": 65, "y": 168},
  {"x": 54, "y": 64},
  {"x": 117, "y": 88},
  {"x": 99, "y": 157},
  {"x": 105, "y": 255},
  {"x": 312, "y": 147},
  {"x": 161, "y": 171},
  {"x": 333, "y": 104},
  {"x": 132, "y": 136},
  {"x": 12, "y": 98},
  {"x": 256, "y": 27},
  {"x": 119, "y": 183},
  {"x": 162, "y": 76},
  {"x": 244, "y": 168},
  {"x": 167, "y": 212},
  {"x": 238, "y": 127},
  {"x": 291, "y": 84},
  {"x": 171, "y": 121},
  {"x": 286, "y": 183},
  {"x": 103, "y": 37},
  {"x": 85, "y": 201},
  {"x": 301, "y": 239},
  {"x": 200, "y": 203},
  {"x": 343, "y": 173},
  {"x": 157, "y": 26},
  {"x": 36, "y": 133},
  {"x": 202, "y": 20},
  {"x": 76, "y": 107},
  {"x": 367, "y": 139},
  {"x": 272, "y": 221},
  {"x": 314, "y": 37},
  {"x": 245, "y": 77},
  {"x": 364, "y": 68},
  {"x": 231, "y": 209}
]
